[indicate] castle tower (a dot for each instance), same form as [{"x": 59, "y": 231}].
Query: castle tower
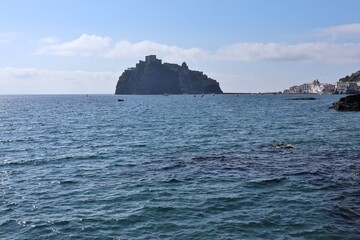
[{"x": 152, "y": 59}]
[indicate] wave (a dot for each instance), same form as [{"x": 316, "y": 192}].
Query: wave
[{"x": 267, "y": 181}]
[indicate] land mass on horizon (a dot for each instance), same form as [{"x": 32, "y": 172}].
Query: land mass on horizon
[{"x": 154, "y": 77}]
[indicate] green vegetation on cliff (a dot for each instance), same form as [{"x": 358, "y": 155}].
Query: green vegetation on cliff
[{"x": 355, "y": 77}]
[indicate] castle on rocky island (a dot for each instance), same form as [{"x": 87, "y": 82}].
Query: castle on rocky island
[{"x": 154, "y": 77}]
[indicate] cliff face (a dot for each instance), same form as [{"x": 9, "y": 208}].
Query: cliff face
[{"x": 154, "y": 77}]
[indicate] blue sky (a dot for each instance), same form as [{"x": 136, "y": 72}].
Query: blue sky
[{"x": 62, "y": 46}]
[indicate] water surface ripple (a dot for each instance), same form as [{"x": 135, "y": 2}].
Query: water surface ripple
[{"x": 178, "y": 167}]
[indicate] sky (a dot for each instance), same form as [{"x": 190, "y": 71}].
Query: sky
[{"x": 83, "y": 46}]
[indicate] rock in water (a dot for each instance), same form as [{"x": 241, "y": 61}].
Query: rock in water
[
  {"x": 304, "y": 98},
  {"x": 283, "y": 146},
  {"x": 154, "y": 77},
  {"x": 349, "y": 103}
]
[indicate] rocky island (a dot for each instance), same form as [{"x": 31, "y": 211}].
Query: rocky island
[{"x": 154, "y": 77}]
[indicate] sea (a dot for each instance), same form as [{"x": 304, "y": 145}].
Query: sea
[{"x": 178, "y": 167}]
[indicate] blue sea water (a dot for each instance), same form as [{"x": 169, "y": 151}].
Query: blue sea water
[{"x": 178, "y": 167}]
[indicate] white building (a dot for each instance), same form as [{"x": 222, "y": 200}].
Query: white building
[
  {"x": 347, "y": 87},
  {"x": 328, "y": 88},
  {"x": 314, "y": 87},
  {"x": 305, "y": 88}
]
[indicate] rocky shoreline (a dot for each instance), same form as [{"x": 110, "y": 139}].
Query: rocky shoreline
[{"x": 349, "y": 103}]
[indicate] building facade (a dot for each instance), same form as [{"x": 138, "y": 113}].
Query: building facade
[
  {"x": 326, "y": 88},
  {"x": 347, "y": 87}
]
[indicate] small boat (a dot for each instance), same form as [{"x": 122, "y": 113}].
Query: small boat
[{"x": 120, "y": 100}]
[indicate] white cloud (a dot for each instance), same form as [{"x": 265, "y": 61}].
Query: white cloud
[
  {"x": 10, "y": 72},
  {"x": 39, "y": 81},
  {"x": 48, "y": 40},
  {"x": 7, "y": 37},
  {"x": 353, "y": 28},
  {"x": 126, "y": 49},
  {"x": 263, "y": 51},
  {"x": 85, "y": 45},
  {"x": 322, "y": 52},
  {"x": 92, "y": 45},
  {"x": 89, "y": 45}
]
